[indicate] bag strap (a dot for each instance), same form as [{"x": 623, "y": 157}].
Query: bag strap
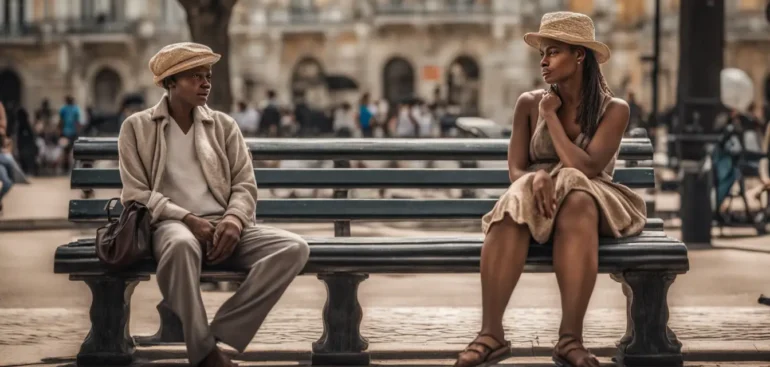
[
  {"x": 114, "y": 202},
  {"x": 110, "y": 206}
]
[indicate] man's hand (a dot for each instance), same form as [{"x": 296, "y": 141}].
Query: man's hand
[
  {"x": 226, "y": 236},
  {"x": 202, "y": 229}
]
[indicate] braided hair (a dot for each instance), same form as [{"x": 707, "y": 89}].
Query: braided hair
[{"x": 595, "y": 89}]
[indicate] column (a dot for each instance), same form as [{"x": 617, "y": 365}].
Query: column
[{"x": 701, "y": 38}]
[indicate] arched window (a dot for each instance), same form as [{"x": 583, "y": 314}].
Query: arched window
[
  {"x": 10, "y": 92},
  {"x": 463, "y": 83},
  {"x": 106, "y": 90},
  {"x": 398, "y": 80}
]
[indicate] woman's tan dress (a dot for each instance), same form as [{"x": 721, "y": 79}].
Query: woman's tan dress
[{"x": 623, "y": 213}]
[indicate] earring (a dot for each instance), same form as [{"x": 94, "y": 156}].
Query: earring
[{"x": 578, "y": 62}]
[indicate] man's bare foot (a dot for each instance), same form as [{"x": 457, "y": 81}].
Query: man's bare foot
[{"x": 217, "y": 358}]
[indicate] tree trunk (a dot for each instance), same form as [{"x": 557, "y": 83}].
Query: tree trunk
[{"x": 209, "y": 22}]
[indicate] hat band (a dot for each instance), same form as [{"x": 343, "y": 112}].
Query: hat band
[
  {"x": 583, "y": 32},
  {"x": 558, "y": 35}
]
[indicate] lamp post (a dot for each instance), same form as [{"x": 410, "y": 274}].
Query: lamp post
[{"x": 701, "y": 45}]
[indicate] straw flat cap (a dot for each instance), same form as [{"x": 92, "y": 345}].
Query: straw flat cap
[
  {"x": 568, "y": 27},
  {"x": 178, "y": 57}
]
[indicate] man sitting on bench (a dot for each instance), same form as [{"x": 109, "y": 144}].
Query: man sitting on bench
[{"x": 190, "y": 165}]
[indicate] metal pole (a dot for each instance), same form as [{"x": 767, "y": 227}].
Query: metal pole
[
  {"x": 698, "y": 98},
  {"x": 655, "y": 66}
]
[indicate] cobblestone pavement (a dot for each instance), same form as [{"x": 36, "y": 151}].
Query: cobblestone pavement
[
  {"x": 44, "y": 315},
  {"x": 423, "y": 326},
  {"x": 518, "y": 362}
]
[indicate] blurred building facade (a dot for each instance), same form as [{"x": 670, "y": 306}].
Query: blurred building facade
[
  {"x": 94, "y": 50},
  {"x": 333, "y": 50}
]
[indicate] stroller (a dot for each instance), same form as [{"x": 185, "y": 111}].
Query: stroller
[{"x": 731, "y": 162}]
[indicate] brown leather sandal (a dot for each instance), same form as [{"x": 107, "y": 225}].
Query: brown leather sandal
[
  {"x": 490, "y": 355},
  {"x": 560, "y": 358}
]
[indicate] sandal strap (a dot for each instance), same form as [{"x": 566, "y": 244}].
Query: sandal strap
[
  {"x": 498, "y": 341},
  {"x": 574, "y": 348},
  {"x": 488, "y": 349},
  {"x": 574, "y": 343},
  {"x": 571, "y": 337},
  {"x": 480, "y": 353}
]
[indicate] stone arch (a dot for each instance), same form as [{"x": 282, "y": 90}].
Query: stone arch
[
  {"x": 106, "y": 90},
  {"x": 463, "y": 83},
  {"x": 398, "y": 80},
  {"x": 308, "y": 79},
  {"x": 12, "y": 91}
]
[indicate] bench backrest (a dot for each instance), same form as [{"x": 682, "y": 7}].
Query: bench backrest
[{"x": 633, "y": 150}]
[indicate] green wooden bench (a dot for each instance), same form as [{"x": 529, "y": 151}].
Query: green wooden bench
[{"x": 646, "y": 265}]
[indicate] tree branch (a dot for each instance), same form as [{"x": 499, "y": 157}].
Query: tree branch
[
  {"x": 189, "y": 4},
  {"x": 221, "y": 4},
  {"x": 227, "y": 4}
]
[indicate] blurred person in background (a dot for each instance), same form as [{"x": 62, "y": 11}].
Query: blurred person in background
[
  {"x": 26, "y": 142},
  {"x": 70, "y": 119},
  {"x": 385, "y": 119},
  {"x": 44, "y": 115},
  {"x": 247, "y": 119},
  {"x": 270, "y": 120},
  {"x": 345, "y": 121},
  {"x": 365, "y": 116},
  {"x": 426, "y": 120},
  {"x": 407, "y": 126}
]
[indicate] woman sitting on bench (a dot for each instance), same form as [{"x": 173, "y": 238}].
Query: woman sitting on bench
[{"x": 561, "y": 160}]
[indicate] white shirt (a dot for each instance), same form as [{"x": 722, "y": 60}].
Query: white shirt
[
  {"x": 404, "y": 125},
  {"x": 247, "y": 120},
  {"x": 183, "y": 181}
]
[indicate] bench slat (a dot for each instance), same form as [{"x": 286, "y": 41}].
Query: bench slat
[
  {"x": 297, "y": 210},
  {"x": 638, "y": 177},
  {"x": 649, "y": 250},
  {"x": 369, "y": 149},
  {"x": 327, "y": 209}
]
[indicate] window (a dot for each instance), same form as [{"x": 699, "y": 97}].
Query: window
[{"x": 12, "y": 14}]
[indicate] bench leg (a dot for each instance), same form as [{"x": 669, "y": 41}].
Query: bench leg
[
  {"x": 626, "y": 338},
  {"x": 109, "y": 341},
  {"x": 170, "y": 330},
  {"x": 341, "y": 342},
  {"x": 651, "y": 342}
]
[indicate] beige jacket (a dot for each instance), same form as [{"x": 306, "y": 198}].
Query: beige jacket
[{"x": 224, "y": 156}]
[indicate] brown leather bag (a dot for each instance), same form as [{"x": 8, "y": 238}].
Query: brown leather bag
[{"x": 124, "y": 241}]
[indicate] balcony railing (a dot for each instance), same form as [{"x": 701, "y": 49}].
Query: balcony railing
[
  {"x": 98, "y": 24},
  {"x": 308, "y": 16},
  {"x": 432, "y": 7},
  {"x": 18, "y": 30},
  {"x": 69, "y": 26}
]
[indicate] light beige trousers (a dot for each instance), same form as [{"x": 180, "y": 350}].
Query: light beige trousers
[{"x": 273, "y": 258}]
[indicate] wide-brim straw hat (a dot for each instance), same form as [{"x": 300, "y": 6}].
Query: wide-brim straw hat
[
  {"x": 178, "y": 57},
  {"x": 572, "y": 28}
]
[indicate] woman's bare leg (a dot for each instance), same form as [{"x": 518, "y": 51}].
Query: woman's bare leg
[
  {"x": 576, "y": 262},
  {"x": 502, "y": 261},
  {"x": 503, "y": 256}
]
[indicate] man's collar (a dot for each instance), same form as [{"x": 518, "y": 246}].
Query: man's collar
[{"x": 160, "y": 112}]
